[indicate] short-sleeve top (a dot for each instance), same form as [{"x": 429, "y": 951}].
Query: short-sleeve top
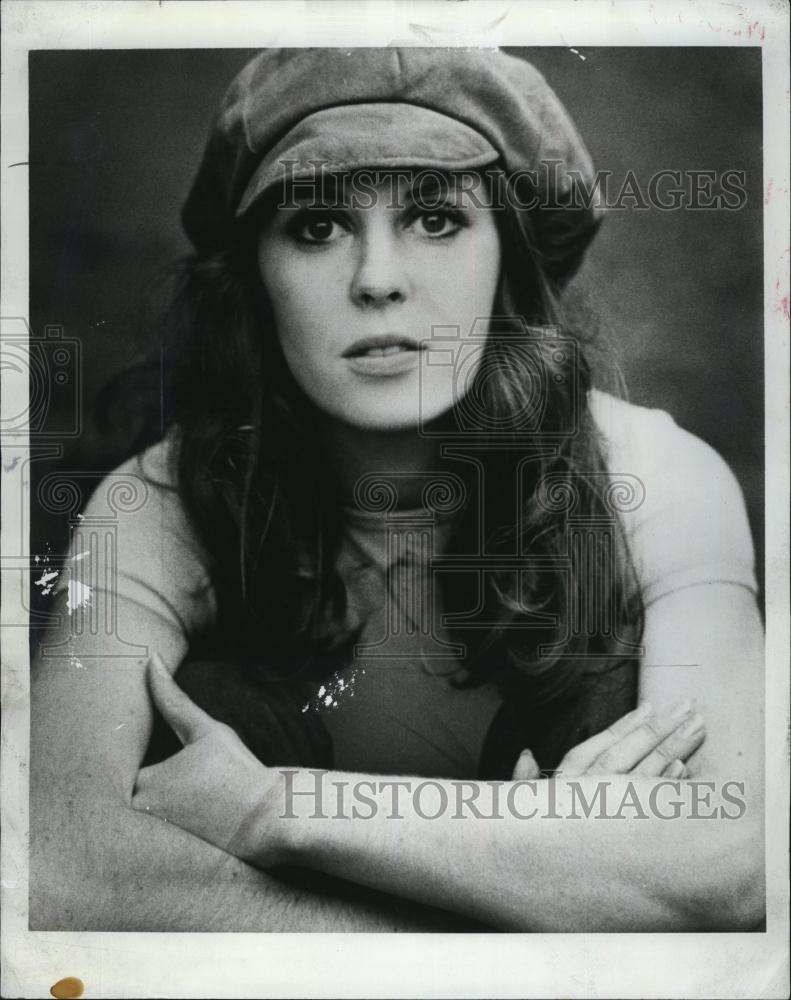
[{"x": 393, "y": 709}]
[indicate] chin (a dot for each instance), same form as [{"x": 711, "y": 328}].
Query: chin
[
  {"x": 384, "y": 418},
  {"x": 380, "y": 421},
  {"x": 383, "y": 411}
]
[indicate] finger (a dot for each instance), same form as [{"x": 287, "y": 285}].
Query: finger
[
  {"x": 526, "y": 767},
  {"x": 185, "y": 718},
  {"x": 676, "y": 770},
  {"x": 582, "y": 756},
  {"x": 140, "y": 793},
  {"x": 627, "y": 754},
  {"x": 680, "y": 745}
]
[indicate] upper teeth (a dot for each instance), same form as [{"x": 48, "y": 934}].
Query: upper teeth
[{"x": 382, "y": 351}]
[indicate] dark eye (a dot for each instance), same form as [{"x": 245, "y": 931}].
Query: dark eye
[
  {"x": 434, "y": 223},
  {"x": 318, "y": 230},
  {"x": 313, "y": 226},
  {"x": 441, "y": 222}
]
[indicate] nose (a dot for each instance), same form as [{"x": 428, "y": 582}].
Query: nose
[{"x": 379, "y": 279}]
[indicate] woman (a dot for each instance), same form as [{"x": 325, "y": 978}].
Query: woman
[{"x": 401, "y": 535}]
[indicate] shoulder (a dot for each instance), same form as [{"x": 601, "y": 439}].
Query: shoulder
[
  {"x": 141, "y": 494},
  {"x": 157, "y": 558},
  {"x": 674, "y": 465},
  {"x": 641, "y": 436},
  {"x": 147, "y": 480},
  {"x": 156, "y": 465},
  {"x": 688, "y": 522}
]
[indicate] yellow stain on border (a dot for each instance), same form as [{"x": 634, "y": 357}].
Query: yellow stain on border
[{"x": 69, "y": 988}]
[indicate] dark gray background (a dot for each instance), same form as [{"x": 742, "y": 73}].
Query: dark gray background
[{"x": 115, "y": 137}]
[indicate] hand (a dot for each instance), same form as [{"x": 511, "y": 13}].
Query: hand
[
  {"x": 214, "y": 787},
  {"x": 638, "y": 743}
]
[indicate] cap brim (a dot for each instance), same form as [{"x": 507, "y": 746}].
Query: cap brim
[{"x": 382, "y": 135}]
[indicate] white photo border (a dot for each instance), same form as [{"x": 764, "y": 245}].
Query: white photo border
[{"x": 354, "y": 965}]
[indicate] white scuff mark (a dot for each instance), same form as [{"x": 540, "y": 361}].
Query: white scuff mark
[
  {"x": 47, "y": 581},
  {"x": 80, "y": 556},
  {"x": 79, "y": 596},
  {"x": 332, "y": 693},
  {"x": 121, "y": 726},
  {"x": 74, "y": 662},
  {"x": 578, "y": 53}
]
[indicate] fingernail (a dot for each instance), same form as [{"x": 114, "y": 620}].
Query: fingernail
[
  {"x": 676, "y": 769},
  {"x": 693, "y": 726},
  {"x": 680, "y": 711}
]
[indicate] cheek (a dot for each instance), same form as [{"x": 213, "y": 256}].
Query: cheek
[
  {"x": 300, "y": 316},
  {"x": 468, "y": 284},
  {"x": 294, "y": 306}
]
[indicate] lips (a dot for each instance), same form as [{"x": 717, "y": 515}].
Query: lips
[
  {"x": 388, "y": 344},
  {"x": 388, "y": 355}
]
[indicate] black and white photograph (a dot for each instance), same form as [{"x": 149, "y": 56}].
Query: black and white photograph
[{"x": 395, "y": 491}]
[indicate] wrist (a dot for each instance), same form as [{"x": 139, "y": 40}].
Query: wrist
[
  {"x": 298, "y": 802},
  {"x": 265, "y": 838}
]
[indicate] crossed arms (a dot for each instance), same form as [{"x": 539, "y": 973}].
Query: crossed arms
[{"x": 100, "y": 862}]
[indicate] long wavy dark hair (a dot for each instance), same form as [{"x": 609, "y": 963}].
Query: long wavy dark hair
[{"x": 260, "y": 495}]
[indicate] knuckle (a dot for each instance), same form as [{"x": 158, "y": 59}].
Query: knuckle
[
  {"x": 227, "y": 735},
  {"x": 663, "y": 754},
  {"x": 652, "y": 729},
  {"x": 608, "y": 761},
  {"x": 654, "y": 764},
  {"x": 621, "y": 727}
]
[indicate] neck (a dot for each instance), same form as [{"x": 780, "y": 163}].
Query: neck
[{"x": 354, "y": 453}]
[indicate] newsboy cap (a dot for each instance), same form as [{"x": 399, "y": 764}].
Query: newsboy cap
[{"x": 423, "y": 107}]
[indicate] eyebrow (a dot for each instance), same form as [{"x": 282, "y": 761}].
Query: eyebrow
[
  {"x": 337, "y": 190},
  {"x": 319, "y": 188},
  {"x": 434, "y": 184}
]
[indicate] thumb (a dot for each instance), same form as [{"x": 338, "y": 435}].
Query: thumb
[
  {"x": 526, "y": 767},
  {"x": 185, "y": 718}
]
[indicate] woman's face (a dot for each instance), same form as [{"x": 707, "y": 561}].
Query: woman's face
[{"x": 356, "y": 292}]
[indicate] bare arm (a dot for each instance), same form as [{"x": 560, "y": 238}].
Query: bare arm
[
  {"x": 617, "y": 874},
  {"x": 706, "y": 643},
  {"x": 97, "y": 864},
  {"x": 598, "y": 874},
  {"x": 538, "y": 862}
]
